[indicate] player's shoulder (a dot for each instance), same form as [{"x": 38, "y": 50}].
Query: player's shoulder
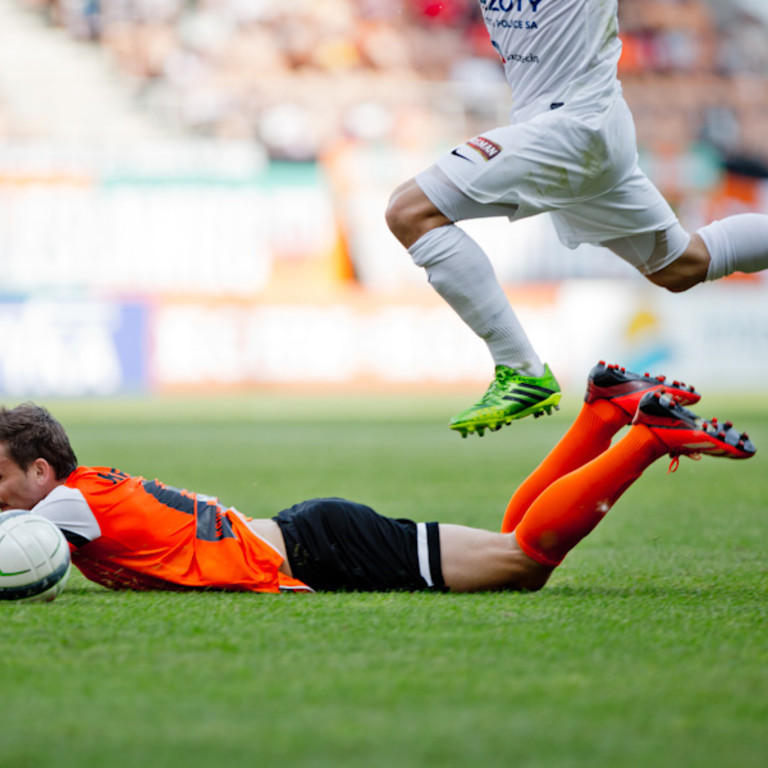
[
  {"x": 101, "y": 478},
  {"x": 68, "y": 508}
]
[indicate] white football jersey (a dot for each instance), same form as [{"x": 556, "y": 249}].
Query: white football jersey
[{"x": 556, "y": 51}]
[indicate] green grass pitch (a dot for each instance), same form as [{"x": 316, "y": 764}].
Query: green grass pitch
[{"x": 649, "y": 647}]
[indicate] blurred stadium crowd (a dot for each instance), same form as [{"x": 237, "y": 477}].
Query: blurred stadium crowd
[
  {"x": 299, "y": 75},
  {"x": 292, "y": 75}
]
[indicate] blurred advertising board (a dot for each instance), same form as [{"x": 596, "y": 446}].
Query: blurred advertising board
[
  {"x": 176, "y": 219},
  {"x": 73, "y": 347},
  {"x": 715, "y": 337}
]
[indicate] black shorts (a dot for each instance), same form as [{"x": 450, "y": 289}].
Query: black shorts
[{"x": 338, "y": 545}]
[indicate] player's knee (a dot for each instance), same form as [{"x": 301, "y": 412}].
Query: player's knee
[
  {"x": 411, "y": 214},
  {"x": 688, "y": 270},
  {"x": 673, "y": 283},
  {"x": 531, "y": 580},
  {"x": 396, "y": 215},
  {"x": 407, "y": 211},
  {"x": 525, "y": 573}
]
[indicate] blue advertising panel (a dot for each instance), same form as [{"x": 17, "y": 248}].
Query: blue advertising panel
[{"x": 72, "y": 347}]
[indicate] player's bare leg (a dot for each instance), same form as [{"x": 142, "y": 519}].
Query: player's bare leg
[
  {"x": 687, "y": 270},
  {"x": 734, "y": 244},
  {"x": 475, "y": 560},
  {"x": 411, "y": 214}
]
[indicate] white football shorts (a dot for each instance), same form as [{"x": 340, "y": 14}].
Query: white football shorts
[{"x": 580, "y": 167}]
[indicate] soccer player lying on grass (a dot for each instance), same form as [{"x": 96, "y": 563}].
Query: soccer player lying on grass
[{"x": 126, "y": 532}]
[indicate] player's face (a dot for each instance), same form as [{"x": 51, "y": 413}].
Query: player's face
[{"x": 19, "y": 488}]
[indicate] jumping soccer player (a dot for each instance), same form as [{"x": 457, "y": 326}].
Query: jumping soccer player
[
  {"x": 126, "y": 532},
  {"x": 570, "y": 149}
]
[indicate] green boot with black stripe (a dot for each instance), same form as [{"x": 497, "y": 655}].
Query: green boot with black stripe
[{"x": 510, "y": 396}]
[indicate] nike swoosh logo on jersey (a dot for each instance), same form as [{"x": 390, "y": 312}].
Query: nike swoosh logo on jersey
[{"x": 458, "y": 154}]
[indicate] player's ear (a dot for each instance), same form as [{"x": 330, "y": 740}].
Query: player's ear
[{"x": 42, "y": 472}]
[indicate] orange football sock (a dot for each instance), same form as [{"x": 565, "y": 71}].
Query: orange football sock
[
  {"x": 573, "y": 505},
  {"x": 589, "y": 435}
]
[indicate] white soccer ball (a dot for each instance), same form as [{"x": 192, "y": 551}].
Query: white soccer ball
[{"x": 34, "y": 557}]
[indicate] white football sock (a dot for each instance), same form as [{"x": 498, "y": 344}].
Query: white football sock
[
  {"x": 736, "y": 244},
  {"x": 460, "y": 271}
]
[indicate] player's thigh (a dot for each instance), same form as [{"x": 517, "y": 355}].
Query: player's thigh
[
  {"x": 457, "y": 205},
  {"x": 633, "y": 220},
  {"x": 474, "y": 559},
  {"x": 556, "y": 159},
  {"x": 334, "y": 544},
  {"x": 655, "y": 253}
]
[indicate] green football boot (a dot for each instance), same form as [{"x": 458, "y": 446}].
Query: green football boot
[{"x": 510, "y": 396}]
